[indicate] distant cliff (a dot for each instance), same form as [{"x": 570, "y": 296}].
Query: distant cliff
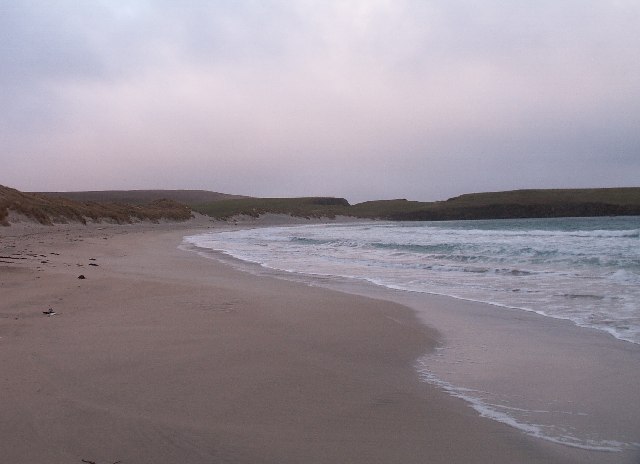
[{"x": 512, "y": 204}]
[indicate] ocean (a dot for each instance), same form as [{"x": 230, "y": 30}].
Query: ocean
[
  {"x": 583, "y": 270},
  {"x": 586, "y": 270}
]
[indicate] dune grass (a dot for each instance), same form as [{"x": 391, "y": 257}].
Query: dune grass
[
  {"x": 49, "y": 210},
  {"x": 142, "y": 197}
]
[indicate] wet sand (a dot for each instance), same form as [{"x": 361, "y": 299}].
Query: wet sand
[
  {"x": 545, "y": 376},
  {"x": 162, "y": 356}
]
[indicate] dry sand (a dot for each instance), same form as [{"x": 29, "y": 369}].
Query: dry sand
[{"x": 161, "y": 356}]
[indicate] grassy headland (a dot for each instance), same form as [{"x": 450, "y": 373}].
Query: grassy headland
[{"x": 511, "y": 204}]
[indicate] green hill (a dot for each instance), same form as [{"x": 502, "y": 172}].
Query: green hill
[{"x": 301, "y": 207}]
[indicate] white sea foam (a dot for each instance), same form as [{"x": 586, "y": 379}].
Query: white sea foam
[
  {"x": 504, "y": 414},
  {"x": 575, "y": 269}
]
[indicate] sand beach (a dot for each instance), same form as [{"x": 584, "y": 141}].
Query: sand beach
[{"x": 161, "y": 356}]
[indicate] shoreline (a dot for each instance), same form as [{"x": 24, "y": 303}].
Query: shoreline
[
  {"x": 487, "y": 354},
  {"x": 518, "y": 367},
  {"x": 160, "y": 355}
]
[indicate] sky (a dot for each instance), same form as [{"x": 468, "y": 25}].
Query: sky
[{"x": 362, "y": 99}]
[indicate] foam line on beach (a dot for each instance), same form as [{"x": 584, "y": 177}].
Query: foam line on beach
[{"x": 497, "y": 413}]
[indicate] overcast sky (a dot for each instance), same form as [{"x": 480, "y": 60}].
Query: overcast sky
[{"x": 364, "y": 99}]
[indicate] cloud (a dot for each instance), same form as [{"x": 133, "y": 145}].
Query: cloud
[{"x": 365, "y": 99}]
